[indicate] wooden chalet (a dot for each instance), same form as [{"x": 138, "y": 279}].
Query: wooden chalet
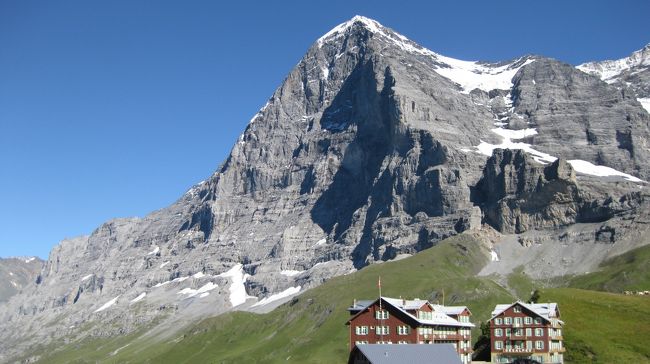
[
  {"x": 526, "y": 331},
  {"x": 398, "y": 321}
]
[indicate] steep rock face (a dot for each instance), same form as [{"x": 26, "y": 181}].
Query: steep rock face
[
  {"x": 577, "y": 116},
  {"x": 372, "y": 146}
]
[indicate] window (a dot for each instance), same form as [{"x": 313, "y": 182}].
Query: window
[
  {"x": 529, "y": 320},
  {"x": 498, "y": 345},
  {"x": 403, "y": 330},
  {"x": 498, "y": 332},
  {"x": 424, "y": 315},
  {"x": 360, "y": 342},
  {"x": 498, "y": 321},
  {"x": 539, "y": 345},
  {"x": 361, "y": 330},
  {"x": 508, "y": 332},
  {"x": 381, "y": 314},
  {"x": 518, "y": 321},
  {"x": 517, "y": 309},
  {"x": 402, "y": 342},
  {"x": 538, "y": 321},
  {"x": 539, "y": 332},
  {"x": 508, "y": 320},
  {"x": 381, "y": 330},
  {"x": 529, "y": 332}
]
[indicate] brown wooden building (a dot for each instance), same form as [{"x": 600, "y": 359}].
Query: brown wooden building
[
  {"x": 530, "y": 331},
  {"x": 399, "y": 321}
]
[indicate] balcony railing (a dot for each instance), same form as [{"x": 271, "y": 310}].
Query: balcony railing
[{"x": 515, "y": 351}]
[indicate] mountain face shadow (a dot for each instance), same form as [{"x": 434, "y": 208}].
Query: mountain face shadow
[{"x": 359, "y": 105}]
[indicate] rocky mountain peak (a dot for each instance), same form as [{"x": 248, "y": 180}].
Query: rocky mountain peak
[{"x": 372, "y": 147}]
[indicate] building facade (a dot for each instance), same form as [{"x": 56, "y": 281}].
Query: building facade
[
  {"x": 398, "y": 321},
  {"x": 526, "y": 331}
]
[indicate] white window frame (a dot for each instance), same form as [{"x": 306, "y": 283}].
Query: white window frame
[
  {"x": 361, "y": 330},
  {"x": 498, "y": 332},
  {"x": 516, "y": 309},
  {"x": 381, "y": 314},
  {"x": 382, "y": 330},
  {"x": 498, "y": 345},
  {"x": 498, "y": 321},
  {"x": 528, "y": 320},
  {"x": 538, "y": 321},
  {"x": 507, "y": 320},
  {"x": 539, "y": 331},
  {"x": 539, "y": 345}
]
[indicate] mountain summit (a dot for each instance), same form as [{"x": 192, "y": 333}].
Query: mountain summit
[{"x": 371, "y": 148}]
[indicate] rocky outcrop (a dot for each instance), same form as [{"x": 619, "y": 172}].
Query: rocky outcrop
[{"x": 518, "y": 194}]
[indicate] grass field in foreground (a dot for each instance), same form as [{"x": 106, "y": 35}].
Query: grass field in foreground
[{"x": 600, "y": 327}]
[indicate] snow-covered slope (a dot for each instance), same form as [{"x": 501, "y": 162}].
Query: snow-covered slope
[
  {"x": 632, "y": 72},
  {"x": 610, "y": 70}
]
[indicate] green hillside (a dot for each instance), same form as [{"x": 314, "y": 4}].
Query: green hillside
[
  {"x": 603, "y": 327},
  {"x": 629, "y": 271},
  {"x": 311, "y": 328},
  {"x": 600, "y": 327}
]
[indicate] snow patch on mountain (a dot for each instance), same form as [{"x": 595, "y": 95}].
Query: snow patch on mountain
[
  {"x": 189, "y": 292},
  {"x": 645, "y": 102},
  {"x": 107, "y": 304},
  {"x": 291, "y": 273},
  {"x": 474, "y": 75},
  {"x": 286, "y": 293},
  {"x": 600, "y": 171},
  {"x": 154, "y": 251},
  {"x": 140, "y": 297},
  {"x": 86, "y": 277},
  {"x": 237, "y": 287}
]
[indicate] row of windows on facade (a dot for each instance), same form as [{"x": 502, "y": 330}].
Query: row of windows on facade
[
  {"x": 463, "y": 344},
  {"x": 517, "y": 320},
  {"x": 529, "y": 332},
  {"x": 405, "y": 330},
  {"x": 382, "y": 330}
]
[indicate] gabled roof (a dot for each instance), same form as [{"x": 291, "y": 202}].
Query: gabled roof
[
  {"x": 453, "y": 310},
  {"x": 400, "y": 305},
  {"x": 543, "y": 310},
  {"x": 409, "y": 353}
]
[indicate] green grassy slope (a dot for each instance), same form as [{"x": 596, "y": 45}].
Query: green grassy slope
[
  {"x": 311, "y": 328},
  {"x": 603, "y": 327},
  {"x": 629, "y": 271},
  {"x": 600, "y": 327}
]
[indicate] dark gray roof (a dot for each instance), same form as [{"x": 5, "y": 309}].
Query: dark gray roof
[{"x": 410, "y": 353}]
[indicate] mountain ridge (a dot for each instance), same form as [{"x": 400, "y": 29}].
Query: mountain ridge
[{"x": 365, "y": 152}]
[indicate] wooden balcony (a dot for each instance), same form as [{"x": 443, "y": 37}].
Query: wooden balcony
[{"x": 517, "y": 351}]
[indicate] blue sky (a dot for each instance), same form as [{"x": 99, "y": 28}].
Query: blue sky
[{"x": 115, "y": 108}]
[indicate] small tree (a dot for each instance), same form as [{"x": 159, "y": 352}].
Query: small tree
[
  {"x": 534, "y": 297},
  {"x": 482, "y": 346}
]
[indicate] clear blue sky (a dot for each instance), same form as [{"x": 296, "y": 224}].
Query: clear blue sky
[{"x": 115, "y": 108}]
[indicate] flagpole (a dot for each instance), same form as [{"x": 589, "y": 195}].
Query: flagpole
[{"x": 381, "y": 313}]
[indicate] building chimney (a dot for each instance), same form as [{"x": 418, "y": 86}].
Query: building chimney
[{"x": 354, "y": 303}]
